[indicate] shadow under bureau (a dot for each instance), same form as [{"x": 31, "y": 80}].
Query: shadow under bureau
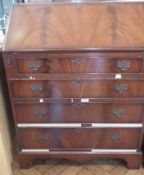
[{"x": 75, "y": 75}]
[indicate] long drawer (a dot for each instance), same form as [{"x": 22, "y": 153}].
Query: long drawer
[
  {"x": 78, "y": 88},
  {"x": 78, "y": 112},
  {"x": 79, "y": 138},
  {"x": 79, "y": 65}
]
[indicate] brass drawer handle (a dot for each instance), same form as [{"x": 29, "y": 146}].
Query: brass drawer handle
[
  {"x": 78, "y": 105},
  {"x": 118, "y": 112},
  {"x": 79, "y": 130},
  {"x": 121, "y": 88},
  {"x": 77, "y": 61},
  {"x": 40, "y": 113},
  {"x": 124, "y": 65},
  {"x": 37, "y": 88},
  {"x": 34, "y": 66},
  {"x": 78, "y": 82},
  {"x": 42, "y": 138},
  {"x": 116, "y": 138}
]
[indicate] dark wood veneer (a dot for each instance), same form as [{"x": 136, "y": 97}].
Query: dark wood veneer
[
  {"x": 77, "y": 112},
  {"x": 133, "y": 160},
  {"x": 78, "y": 65},
  {"x": 79, "y": 138},
  {"x": 78, "y": 88},
  {"x": 53, "y": 59}
]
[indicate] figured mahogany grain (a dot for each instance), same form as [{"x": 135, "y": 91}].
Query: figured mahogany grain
[
  {"x": 78, "y": 138},
  {"x": 78, "y": 65},
  {"x": 71, "y": 89},
  {"x": 45, "y": 27},
  {"x": 77, "y": 113},
  {"x": 57, "y": 54}
]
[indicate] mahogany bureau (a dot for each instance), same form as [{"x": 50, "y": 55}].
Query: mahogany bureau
[{"x": 75, "y": 75}]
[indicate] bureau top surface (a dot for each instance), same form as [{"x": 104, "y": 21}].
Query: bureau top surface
[{"x": 64, "y": 26}]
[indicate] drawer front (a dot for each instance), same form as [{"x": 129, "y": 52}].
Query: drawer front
[
  {"x": 79, "y": 65},
  {"x": 78, "y": 88},
  {"x": 79, "y": 113},
  {"x": 79, "y": 138}
]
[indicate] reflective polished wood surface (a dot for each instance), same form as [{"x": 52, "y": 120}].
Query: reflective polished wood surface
[
  {"x": 70, "y": 68},
  {"x": 40, "y": 27}
]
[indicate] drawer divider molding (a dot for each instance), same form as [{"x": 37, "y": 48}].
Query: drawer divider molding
[
  {"x": 68, "y": 76},
  {"x": 75, "y": 125},
  {"x": 74, "y": 100}
]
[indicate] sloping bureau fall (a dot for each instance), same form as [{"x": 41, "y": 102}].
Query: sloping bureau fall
[{"x": 75, "y": 75}]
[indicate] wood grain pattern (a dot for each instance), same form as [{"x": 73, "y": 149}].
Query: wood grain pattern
[
  {"x": 77, "y": 89},
  {"x": 26, "y": 160},
  {"x": 42, "y": 27},
  {"x": 18, "y": 62},
  {"x": 79, "y": 138},
  {"x": 79, "y": 65},
  {"x": 56, "y": 54},
  {"x": 77, "y": 113}
]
